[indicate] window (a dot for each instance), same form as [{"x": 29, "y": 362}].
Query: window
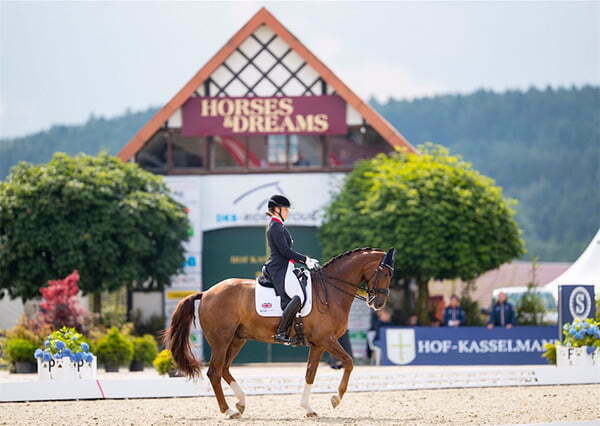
[
  {"x": 153, "y": 156},
  {"x": 229, "y": 152},
  {"x": 359, "y": 143},
  {"x": 277, "y": 150},
  {"x": 306, "y": 151},
  {"x": 187, "y": 152}
]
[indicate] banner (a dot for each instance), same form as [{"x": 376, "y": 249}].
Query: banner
[
  {"x": 301, "y": 115},
  {"x": 464, "y": 345},
  {"x": 575, "y": 302}
]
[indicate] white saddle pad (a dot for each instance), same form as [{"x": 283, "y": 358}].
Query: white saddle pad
[{"x": 268, "y": 304}]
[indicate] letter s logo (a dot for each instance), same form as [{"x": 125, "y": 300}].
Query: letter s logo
[{"x": 580, "y": 303}]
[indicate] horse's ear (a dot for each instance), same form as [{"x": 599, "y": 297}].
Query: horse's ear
[{"x": 390, "y": 258}]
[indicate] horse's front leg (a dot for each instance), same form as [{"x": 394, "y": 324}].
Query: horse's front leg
[
  {"x": 314, "y": 356},
  {"x": 335, "y": 349}
]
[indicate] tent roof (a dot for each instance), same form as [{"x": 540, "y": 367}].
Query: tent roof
[
  {"x": 585, "y": 270},
  {"x": 264, "y": 17}
]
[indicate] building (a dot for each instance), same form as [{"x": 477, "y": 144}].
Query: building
[{"x": 263, "y": 116}]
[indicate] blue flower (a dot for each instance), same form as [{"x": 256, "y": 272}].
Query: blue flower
[
  {"x": 89, "y": 358},
  {"x": 47, "y": 356},
  {"x": 47, "y": 343},
  {"x": 66, "y": 352},
  {"x": 572, "y": 331},
  {"x": 59, "y": 344},
  {"x": 580, "y": 334},
  {"x": 38, "y": 353},
  {"x": 590, "y": 349},
  {"x": 78, "y": 356},
  {"x": 85, "y": 347}
]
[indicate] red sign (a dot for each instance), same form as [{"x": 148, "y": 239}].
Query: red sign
[{"x": 205, "y": 116}]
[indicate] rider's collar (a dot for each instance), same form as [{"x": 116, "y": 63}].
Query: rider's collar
[{"x": 276, "y": 219}]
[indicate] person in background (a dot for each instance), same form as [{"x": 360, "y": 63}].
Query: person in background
[
  {"x": 454, "y": 315},
  {"x": 502, "y": 314},
  {"x": 382, "y": 318}
]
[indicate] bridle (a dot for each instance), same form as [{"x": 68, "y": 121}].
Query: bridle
[{"x": 372, "y": 293}]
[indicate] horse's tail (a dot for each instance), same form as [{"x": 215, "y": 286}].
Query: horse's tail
[{"x": 177, "y": 337}]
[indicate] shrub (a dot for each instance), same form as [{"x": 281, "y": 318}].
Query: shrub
[
  {"x": 114, "y": 349},
  {"x": 530, "y": 308},
  {"x": 472, "y": 312},
  {"x": 20, "y": 350},
  {"x": 70, "y": 339},
  {"x": 155, "y": 324},
  {"x": 145, "y": 349},
  {"x": 60, "y": 303},
  {"x": 164, "y": 362}
]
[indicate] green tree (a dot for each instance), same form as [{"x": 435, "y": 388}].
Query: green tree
[
  {"x": 445, "y": 219},
  {"x": 112, "y": 221}
]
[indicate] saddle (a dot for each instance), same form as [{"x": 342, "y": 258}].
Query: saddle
[{"x": 265, "y": 307}]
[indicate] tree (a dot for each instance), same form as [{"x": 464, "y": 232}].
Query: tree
[
  {"x": 446, "y": 220},
  {"x": 112, "y": 221}
]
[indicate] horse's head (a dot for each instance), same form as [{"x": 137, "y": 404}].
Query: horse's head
[{"x": 378, "y": 282}]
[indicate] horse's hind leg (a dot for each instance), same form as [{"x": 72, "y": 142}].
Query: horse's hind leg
[
  {"x": 335, "y": 349},
  {"x": 232, "y": 352},
  {"x": 215, "y": 373}
]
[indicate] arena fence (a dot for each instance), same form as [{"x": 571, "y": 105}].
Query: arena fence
[{"x": 381, "y": 379}]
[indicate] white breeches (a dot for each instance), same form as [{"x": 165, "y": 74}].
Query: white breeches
[{"x": 292, "y": 285}]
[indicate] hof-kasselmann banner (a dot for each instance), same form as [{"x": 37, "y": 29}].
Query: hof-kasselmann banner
[{"x": 206, "y": 116}]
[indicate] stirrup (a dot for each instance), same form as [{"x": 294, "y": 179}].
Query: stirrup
[{"x": 282, "y": 338}]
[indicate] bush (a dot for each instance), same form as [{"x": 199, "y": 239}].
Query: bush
[
  {"x": 530, "y": 308},
  {"x": 154, "y": 325},
  {"x": 60, "y": 305},
  {"x": 70, "y": 339},
  {"x": 164, "y": 362},
  {"x": 145, "y": 349},
  {"x": 20, "y": 350},
  {"x": 114, "y": 349},
  {"x": 472, "y": 312}
]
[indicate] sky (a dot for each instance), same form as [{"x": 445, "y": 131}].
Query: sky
[{"x": 61, "y": 62}]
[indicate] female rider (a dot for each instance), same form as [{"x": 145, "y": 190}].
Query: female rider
[{"x": 280, "y": 265}]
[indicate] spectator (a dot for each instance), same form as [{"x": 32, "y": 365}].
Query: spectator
[
  {"x": 383, "y": 318},
  {"x": 454, "y": 315},
  {"x": 502, "y": 313}
]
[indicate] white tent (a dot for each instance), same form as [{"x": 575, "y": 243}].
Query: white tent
[{"x": 585, "y": 270}]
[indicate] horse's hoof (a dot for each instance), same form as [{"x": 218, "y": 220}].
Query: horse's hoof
[
  {"x": 232, "y": 414},
  {"x": 312, "y": 414},
  {"x": 335, "y": 401},
  {"x": 241, "y": 408}
]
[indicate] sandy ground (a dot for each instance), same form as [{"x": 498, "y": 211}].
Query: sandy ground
[{"x": 417, "y": 407}]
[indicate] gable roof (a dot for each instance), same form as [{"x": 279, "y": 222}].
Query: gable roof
[{"x": 264, "y": 17}]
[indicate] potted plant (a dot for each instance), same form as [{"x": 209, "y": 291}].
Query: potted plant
[
  {"x": 21, "y": 353},
  {"x": 580, "y": 346},
  {"x": 66, "y": 355},
  {"x": 165, "y": 364},
  {"x": 114, "y": 350},
  {"x": 145, "y": 350}
]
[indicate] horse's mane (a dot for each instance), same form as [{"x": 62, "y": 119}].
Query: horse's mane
[{"x": 339, "y": 256}]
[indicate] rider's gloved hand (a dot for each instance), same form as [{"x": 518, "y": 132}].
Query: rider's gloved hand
[{"x": 311, "y": 263}]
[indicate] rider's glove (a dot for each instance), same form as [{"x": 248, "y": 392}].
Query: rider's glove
[{"x": 311, "y": 263}]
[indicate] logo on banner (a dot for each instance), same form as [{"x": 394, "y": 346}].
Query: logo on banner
[
  {"x": 580, "y": 303},
  {"x": 400, "y": 345}
]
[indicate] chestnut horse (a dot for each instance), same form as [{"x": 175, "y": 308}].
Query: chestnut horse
[{"x": 228, "y": 319}]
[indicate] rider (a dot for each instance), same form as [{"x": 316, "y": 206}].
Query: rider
[{"x": 280, "y": 265}]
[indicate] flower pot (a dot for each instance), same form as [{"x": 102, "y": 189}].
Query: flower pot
[
  {"x": 25, "y": 367},
  {"x": 567, "y": 356},
  {"x": 136, "y": 366},
  {"x": 111, "y": 368}
]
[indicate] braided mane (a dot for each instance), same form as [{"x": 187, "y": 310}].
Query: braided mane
[{"x": 333, "y": 259}]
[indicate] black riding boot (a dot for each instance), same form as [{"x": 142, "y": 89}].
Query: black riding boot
[{"x": 288, "y": 315}]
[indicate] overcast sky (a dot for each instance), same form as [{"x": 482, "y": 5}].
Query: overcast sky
[{"x": 61, "y": 62}]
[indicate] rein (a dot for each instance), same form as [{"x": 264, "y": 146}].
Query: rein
[{"x": 372, "y": 293}]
